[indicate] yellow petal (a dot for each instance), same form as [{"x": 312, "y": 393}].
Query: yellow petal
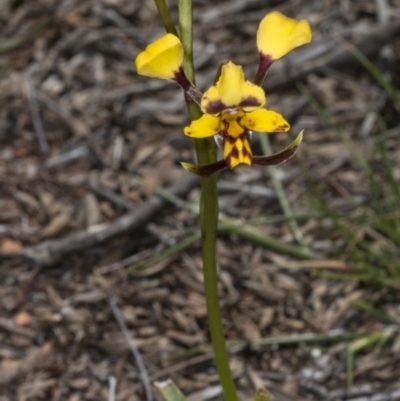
[
  {"x": 205, "y": 126},
  {"x": 161, "y": 59},
  {"x": 277, "y": 35},
  {"x": 263, "y": 120},
  {"x": 232, "y": 90}
]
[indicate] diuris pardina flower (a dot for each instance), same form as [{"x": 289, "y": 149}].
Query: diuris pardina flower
[{"x": 233, "y": 107}]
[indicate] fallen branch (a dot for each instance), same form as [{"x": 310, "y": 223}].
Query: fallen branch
[
  {"x": 132, "y": 345},
  {"x": 50, "y": 252}
]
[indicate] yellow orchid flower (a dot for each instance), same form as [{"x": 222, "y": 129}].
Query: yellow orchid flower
[{"x": 233, "y": 109}]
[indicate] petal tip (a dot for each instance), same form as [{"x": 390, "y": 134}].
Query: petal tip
[
  {"x": 298, "y": 140},
  {"x": 161, "y": 58},
  {"x": 281, "y": 157}
]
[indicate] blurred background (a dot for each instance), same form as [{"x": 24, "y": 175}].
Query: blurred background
[{"x": 98, "y": 220}]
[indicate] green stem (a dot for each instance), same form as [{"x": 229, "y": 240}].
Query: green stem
[
  {"x": 284, "y": 340},
  {"x": 206, "y": 153},
  {"x": 165, "y": 15}
]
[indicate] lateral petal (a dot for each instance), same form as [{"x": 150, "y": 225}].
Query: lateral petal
[
  {"x": 205, "y": 170},
  {"x": 205, "y": 126},
  {"x": 263, "y": 120}
]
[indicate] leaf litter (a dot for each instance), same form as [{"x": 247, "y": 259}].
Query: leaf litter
[{"x": 78, "y": 126}]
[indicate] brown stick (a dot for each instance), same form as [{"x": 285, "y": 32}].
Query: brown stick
[
  {"x": 50, "y": 252},
  {"x": 14, "y": 44}
]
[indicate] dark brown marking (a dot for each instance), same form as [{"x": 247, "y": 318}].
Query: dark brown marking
[
  {"x": 234, "y": 153},
  {"x": 263, "y": 67},
  {"x": 250, "y": 101},
  {"x": 181, "y": 79},
  {"x": 230, "y": 139},
  {"x": 214, "y": 107},
  {"x": 247, "y": 153},
  {"x": 282, "y": 128},
  {"x": 228, "y": 160},
  {"x": 190, "y": 90}
]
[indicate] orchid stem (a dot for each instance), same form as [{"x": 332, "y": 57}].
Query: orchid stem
[
  {"x": 206, "y": 153},
  {"x": 165, "y": 15}
]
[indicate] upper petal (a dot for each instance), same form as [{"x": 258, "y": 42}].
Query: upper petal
[
  {"x": 205, "y": 126},
  {"x": 277, "y": 34},
  {"x": 263, "y": 120},
  {"x": 161, "y": 59},
  {"x": 232, "y": 90}
]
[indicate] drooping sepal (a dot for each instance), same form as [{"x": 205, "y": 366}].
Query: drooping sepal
[
  {"x": 281, "y": 157},
  {"x": 205, "y": 170}
]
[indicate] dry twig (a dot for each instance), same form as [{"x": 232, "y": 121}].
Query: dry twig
[
  {"x": 49, "y": 252},
  {"x": 135, "y": 352}
]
